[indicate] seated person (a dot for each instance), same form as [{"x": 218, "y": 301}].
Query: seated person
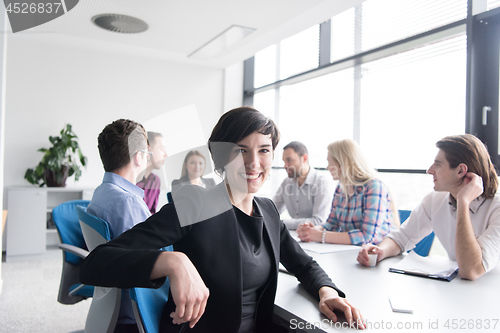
[
  {"x": 124, "y": 155},
  {"x": 463, "y": 212},
  {"x": 151, "y": 183},
  {"x": 236, "y": 252},
  {"x": 363, "y": 211},
  {"x": 306, "y": 194},
  {"x": 193, "y": 169}
]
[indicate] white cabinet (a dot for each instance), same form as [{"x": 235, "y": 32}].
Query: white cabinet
[{"x": 29, "y": 231}]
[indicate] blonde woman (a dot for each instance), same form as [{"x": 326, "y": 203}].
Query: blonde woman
[
  {"x": 363, "y": 211},
  {"x": 193, "y": 169}
]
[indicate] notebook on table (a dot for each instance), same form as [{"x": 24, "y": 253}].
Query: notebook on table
[{"x": 439, "y": 268}]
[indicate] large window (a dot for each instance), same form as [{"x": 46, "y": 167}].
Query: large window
[
  {"x": 411, "y": 100},
  {"x": 395, "y": 81},
  {"x": 383, "y": 102},
  {"x": 328, "y": 98}
]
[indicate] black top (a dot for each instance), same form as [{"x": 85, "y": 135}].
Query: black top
[
  {"x": 256, "y": 264},
  {"x": 178, "y": 183},
  {"x": 213, "y": 246}
]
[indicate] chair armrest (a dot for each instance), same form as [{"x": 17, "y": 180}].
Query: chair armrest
[{"x": 74, "y": 250}]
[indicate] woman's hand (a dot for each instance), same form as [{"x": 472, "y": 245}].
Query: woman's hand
[
  {"x": 188, "y": 290},
  {"x": 307, "y": 232},
  {"x": 330, "y": 301}
]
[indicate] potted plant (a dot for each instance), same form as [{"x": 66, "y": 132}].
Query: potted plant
[{"x": 64, "y": 159}]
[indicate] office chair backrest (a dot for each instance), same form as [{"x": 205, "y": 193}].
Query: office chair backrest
[
  {"x": 424, "y": 246},
  {"x": 95, "y": 230},
  {"x": 105, "y": 307},
  {"x": 68, "y": 227},
  {"x": 148, "y": 305}
]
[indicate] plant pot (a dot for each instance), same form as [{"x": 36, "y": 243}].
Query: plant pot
[{"x": 51, "y": 179}]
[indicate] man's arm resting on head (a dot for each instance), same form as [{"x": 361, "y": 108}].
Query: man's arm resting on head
[{"x": 467, "y": 249}]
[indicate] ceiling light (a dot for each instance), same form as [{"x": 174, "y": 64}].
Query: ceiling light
[{"x": 221, "y": 42}]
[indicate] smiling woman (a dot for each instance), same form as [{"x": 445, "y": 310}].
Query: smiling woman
[
  {"x": 235, "y": 253},
  {"x": 248, "y": 163}
]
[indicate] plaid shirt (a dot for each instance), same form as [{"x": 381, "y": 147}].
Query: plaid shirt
[{"x": 366, "y": 216}]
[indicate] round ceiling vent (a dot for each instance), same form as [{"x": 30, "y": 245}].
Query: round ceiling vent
[{"x": 120, "y": 23}]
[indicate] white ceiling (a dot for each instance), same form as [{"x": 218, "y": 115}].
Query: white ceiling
[{"x": 179, "y": 27}]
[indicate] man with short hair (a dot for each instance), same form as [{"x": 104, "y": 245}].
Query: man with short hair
[
  {"x": 123, "y": 147},
  {"x": 151, "y": 183},
  {"x": 123, "y": 150},
  {"x": 463, "y": 212},
  {"x": 306, "y": 194}
]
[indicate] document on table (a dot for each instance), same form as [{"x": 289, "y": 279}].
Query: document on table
[
  {"x": 430, "y": 267},
  {"x": 323, "y": 248}
]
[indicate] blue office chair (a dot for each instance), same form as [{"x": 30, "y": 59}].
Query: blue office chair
[
  {"x": 148, "y": 305},
  {"x": 65, "y": 218},
  {"x": 105, "y": 307},
  {"x": 424, "y": 246}
]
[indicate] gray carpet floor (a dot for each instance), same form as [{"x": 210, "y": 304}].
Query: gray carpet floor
[{"x": 28, "y": 299}]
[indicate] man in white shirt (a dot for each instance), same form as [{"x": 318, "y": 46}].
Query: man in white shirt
[
  {"x": 464, "y": 212},
  {"x": 306, "y": 194}
]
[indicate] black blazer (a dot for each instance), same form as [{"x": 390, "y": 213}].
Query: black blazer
[
  {"x": 178, "y": 183},
  {"x": 213, "y": 247}
]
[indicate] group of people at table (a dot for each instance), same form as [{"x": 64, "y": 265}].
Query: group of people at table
[{"x": 228, "y": 242}]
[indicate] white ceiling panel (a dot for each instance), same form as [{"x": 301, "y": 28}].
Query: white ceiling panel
[{"x": 179, "y": 27}]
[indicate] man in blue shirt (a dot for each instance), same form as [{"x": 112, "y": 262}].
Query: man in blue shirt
[
  {"x": 123, "y": 148},
  {"x": 124, "y": 155}
]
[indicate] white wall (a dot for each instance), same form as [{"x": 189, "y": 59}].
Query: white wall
[{"x": 50, "y": 84}]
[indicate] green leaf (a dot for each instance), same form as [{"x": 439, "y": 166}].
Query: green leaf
[
  {"x": 64, "y": 151},
  {"x": 40, "y": 169},
  {"x": 65, "y": 139}
]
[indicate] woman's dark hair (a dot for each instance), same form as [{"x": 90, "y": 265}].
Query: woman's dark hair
[
  {"x": 234, "y": 126},
  {"x": 468, "y": 149}
]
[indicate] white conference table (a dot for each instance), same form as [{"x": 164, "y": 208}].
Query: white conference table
[{"x": 438, "y": 306}]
